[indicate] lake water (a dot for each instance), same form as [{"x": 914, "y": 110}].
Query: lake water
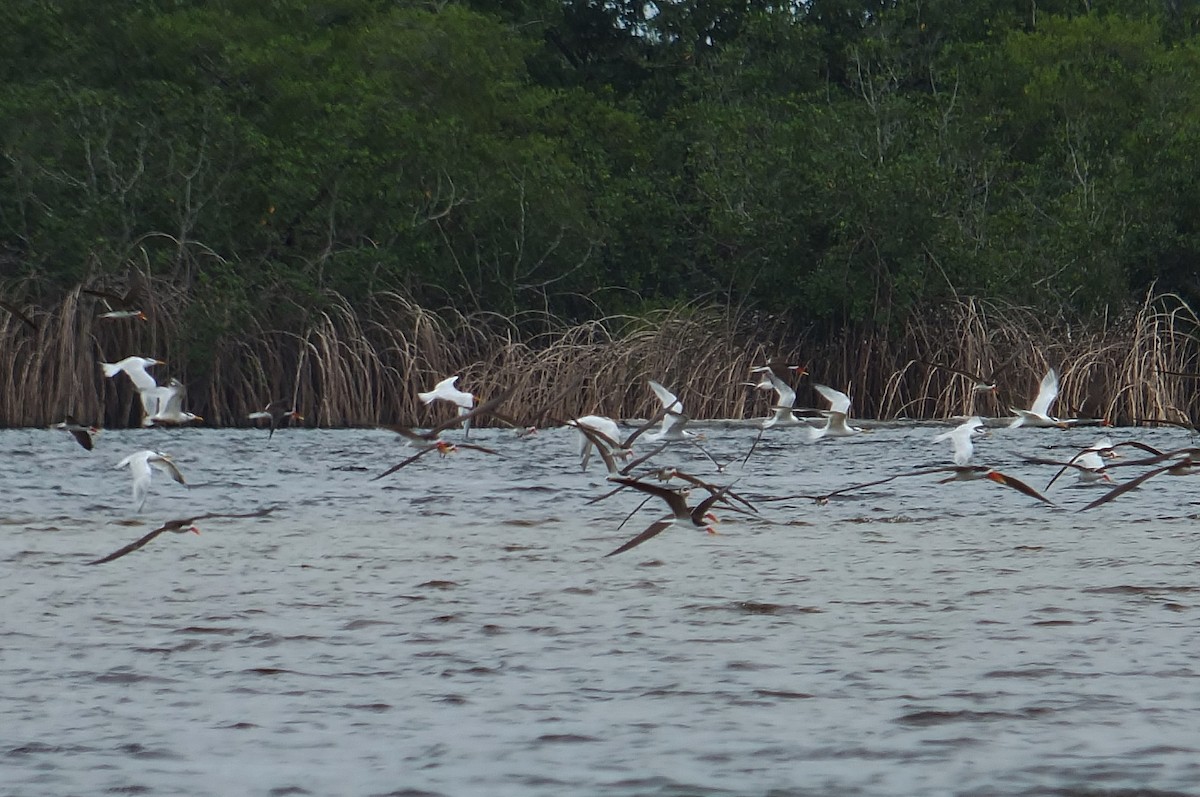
[{"x": 455, "y": 629}]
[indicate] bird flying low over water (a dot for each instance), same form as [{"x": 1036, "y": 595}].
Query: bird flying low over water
[
  {"x": 430, "y": 441},
  {"x": 141, "y": 466},
  {"x": 1038, "y": 413},
  {"x": 163, "y": 405},
  {"x": 181, "y": 526},
  {"x": 276, "y": 415},
  {"x": 960, "y": 438},
  {"x": 1186, "y": 465},
  {"x": 835, "y": 417},
  {"x": 83, "y": 434},
  {"x": 446, "y": 391},
  {"x": 698, "y": 517}
]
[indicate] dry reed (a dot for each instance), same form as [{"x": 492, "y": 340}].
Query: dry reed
[{"x": 361, "y": 366}]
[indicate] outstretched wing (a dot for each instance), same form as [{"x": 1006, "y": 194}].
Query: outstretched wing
[{"x": 655, "y": 528}]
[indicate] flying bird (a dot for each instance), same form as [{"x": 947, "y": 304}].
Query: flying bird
[
  {"x": 181, "y": 526},
  {"x": 135, "y": 368},
  {"x": 1183, "y": 467},
  {"x": 127, "y": 305},
  {"x": 698, "y": 517},
  {"x": 1038, "y": 413},
  {"x": 835, "y": 417},
  {"x": 19, "y": 314},
  {"x": 276, "y": 415},
  {"x": 960, "y": 438},
  {"x": 83, "y": 434},
  {"x": 142, "y": 465},
  {"x": 163, "y": 405}
]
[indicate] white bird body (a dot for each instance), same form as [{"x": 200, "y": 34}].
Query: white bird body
[
  {"x": 135, "y": 368},
  {"x": 1091, "y": 469},
  {"x": 836, "y": 416},
  {"x": 960, "y": 437},
  {"x": 786, "y": 396},
  {"x": 605, "y": 426},
  {"x": 164, "y": 405},
  {"x": 673, "y": 423},
  {"x": 141, "y": 466},
  {"x": 446, "y": 391},
  {"x": 1038, "y": 413}
]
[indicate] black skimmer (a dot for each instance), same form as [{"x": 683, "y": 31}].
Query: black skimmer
[
  {"x": 181, "y": 526},
  {"x": 83, "y": 434},
  {"x": 606, "y": 446},
  {"x": 1186, "y": 466},
  {"x": 698, "y": 517},
  {"x": 957, "y": 473},
  {"x": 982, "y": 384},
  {"x": 122, "y": 306},
  {"x": 276, "y": 415},
  {"x": 429, "y": 440},
  {"x": 443, "y": 447},
  {"x": 142, "y": 465},
  {"x": 782, "y": 368}
]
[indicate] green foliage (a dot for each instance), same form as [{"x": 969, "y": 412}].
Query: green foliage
[{"x": 836, "y": 161}]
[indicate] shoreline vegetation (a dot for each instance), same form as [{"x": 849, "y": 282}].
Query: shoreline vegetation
[
  {"x": 344, "y": 201},
  {"x": 355, "y": 367}
]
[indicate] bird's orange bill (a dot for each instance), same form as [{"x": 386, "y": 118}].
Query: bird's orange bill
[
  {"x": 445, "y": 449},
  {"x": 679, "y": 511},
  {"x": 182, "y": 525}
]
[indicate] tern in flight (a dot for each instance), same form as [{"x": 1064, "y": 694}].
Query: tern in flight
[
  {"x": 142, "y": 465},
  {"x": 429, "y": 440},
  {"x": 835, "y": 417},
  {"x": 960, "y": 438},
  {"x": 1038, "y": 413},
  {"x": 164, "y": 405}
]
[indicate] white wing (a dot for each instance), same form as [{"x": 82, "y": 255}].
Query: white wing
[
  {"x": 1047, "y": 393},
  {"x": 787, "y": 396},
  {"x": 139, "y": 468},
  {"x": 668, "y": 399},
  {"x": 166, "y": 465},
  {"x": 446, "y": 390},
  {"x": 960, "y": 438},
  {"x": 838, "y": 401}
]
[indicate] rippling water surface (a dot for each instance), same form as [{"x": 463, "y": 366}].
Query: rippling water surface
[{"x": 455, "y": 628}]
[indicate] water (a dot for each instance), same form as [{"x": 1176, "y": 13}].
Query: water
[{"x": 456, "y": 630}]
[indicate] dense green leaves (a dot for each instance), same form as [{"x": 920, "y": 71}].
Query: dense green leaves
[{"x": 840, "y": 161}]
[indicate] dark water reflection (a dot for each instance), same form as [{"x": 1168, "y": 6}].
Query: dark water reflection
[{"x": 455, "y": 629}]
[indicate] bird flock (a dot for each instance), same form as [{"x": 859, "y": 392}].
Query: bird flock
[{"x": 627, "y": 469}]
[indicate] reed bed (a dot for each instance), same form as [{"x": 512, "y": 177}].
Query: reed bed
[{"x": 364, "y": 365}]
